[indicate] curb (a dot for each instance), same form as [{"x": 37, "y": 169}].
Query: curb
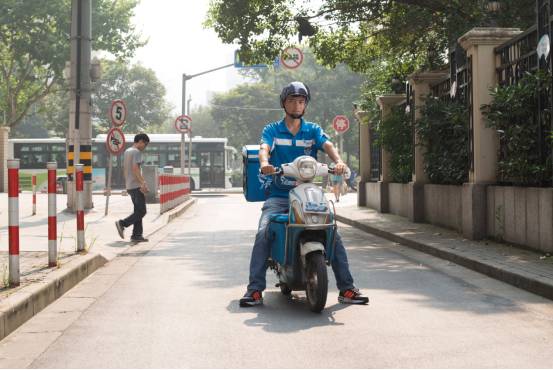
[
  {"x": 30, "y": 300},
  {"x": 523, "y": 280},
  {"x": 177, "y": 212}
]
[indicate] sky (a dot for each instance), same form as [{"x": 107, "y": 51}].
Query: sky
[{"x": 179, "y": 44}]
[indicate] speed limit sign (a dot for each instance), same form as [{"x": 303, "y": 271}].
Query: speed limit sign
[{"x": 118, "y": 113}]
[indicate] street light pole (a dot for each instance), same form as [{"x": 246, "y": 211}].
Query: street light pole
[
  {"x": 185, "y": 78},
  {"x": 189, "y": 143}
]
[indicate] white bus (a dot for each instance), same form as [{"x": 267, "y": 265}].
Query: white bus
[{"x": 212, "y": 159}]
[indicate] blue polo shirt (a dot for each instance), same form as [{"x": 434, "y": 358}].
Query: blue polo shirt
[{"x": 285, "y": 148}]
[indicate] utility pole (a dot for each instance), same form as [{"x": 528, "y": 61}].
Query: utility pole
[{"x": 79, "y": 135}]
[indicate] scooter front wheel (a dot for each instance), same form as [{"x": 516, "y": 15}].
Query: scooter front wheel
[{"x": 317, "y": 282}]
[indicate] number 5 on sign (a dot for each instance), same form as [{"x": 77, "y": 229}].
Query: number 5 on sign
[{"x": 118, "y": 113}]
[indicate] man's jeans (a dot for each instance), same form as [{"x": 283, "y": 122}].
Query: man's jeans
[
  {"x": 139, "y": 201},
  {"x": 260, "y": 252}
]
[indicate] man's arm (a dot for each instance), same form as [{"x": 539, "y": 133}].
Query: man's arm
[
  {"x": 266, "y": 168},
  {"x": 136, "y": 169},
  {"x": 331, "y": 151},
  {"x": 124, "y": 172}
]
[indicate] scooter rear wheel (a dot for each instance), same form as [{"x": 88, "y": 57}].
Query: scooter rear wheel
[
  {"x": 285, "y": 289},
  {"x": 317, "y": 282}
]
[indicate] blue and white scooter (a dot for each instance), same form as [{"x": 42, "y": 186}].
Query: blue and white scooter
[{"x": 302, "y": 241}]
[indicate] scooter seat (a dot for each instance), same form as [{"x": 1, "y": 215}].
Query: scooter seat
[{"x": 280, "y": 218}]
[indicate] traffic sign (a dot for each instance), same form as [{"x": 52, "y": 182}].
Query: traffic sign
[
  {"x": 118, "y": 113},
  {"x": 341, "y": 124},
  {"x": 295, "y": 58},
  {"x": 238, "y": 64},
  {"x": 115, "y": 141},
  {"x": 183, "y": 124}
]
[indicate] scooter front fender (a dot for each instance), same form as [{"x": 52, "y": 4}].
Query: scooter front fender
[{"x": 309, "y": 247}]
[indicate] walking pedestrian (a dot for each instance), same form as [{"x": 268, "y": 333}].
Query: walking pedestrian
[
  {"x": 350, "y": 181},
  {"x": 336, "y": 182},
  {"x": 136, "y": 188}
]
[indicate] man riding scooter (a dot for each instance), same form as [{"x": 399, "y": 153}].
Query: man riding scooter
[{"x": 285, "y": 141}]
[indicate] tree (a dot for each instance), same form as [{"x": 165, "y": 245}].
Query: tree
[
  {"x": 34, "y": 48},
  {"x": 333, "y": 92},
  {"x": 355, "y": 32},
  {"x": 140, "y": 90},
  {"x": 245, "y": 111}
]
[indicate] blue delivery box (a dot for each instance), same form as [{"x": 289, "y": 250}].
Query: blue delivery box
[{"x": 255, "y": 184}]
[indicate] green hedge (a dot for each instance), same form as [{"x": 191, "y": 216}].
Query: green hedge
[
  {"x": 512, "y": 113},
  {"x": 394, "y": 135},
  {"x": 443, "y": 132}
]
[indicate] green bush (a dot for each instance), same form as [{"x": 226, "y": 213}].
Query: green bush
[
  {"x": 512, "y": 113},
  {"x": 394, "y": 135},
  {"x": 443, "y": 131}
]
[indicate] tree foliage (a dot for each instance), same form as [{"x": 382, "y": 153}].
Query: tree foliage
[
  {"x": 34, "y": 48},
  {"x": 332, "y": 93},
  {"x": 245, "y": 111},
  {"x": 139, "y": 88},
  {"x": 355, "y": 32}
]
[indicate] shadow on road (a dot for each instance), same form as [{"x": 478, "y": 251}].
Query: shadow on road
[{"x": 288, "y": 314}]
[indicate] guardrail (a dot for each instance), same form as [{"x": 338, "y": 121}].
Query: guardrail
[{"x": 174, "y": 190}]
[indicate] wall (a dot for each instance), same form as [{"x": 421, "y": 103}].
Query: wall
[
  {"x": 443, "y": 206},
  {"x": 526, "y": 216}
]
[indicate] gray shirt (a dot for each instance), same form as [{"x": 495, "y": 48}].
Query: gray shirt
[{"x": 132, "y": 156}]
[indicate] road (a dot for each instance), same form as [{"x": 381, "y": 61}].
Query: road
[{"x": 174, "y": 303}]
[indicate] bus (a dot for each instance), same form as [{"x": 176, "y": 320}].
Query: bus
[{"x": 213, "y": 161}]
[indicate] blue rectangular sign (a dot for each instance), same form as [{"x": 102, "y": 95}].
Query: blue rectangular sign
[{"x": 237, "y": 64}]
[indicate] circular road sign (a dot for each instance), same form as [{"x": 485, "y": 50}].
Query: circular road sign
[
  {"x": 295, "y": 58},
  {"x": 341, "y": 124},
  {"x": 115, "y": 141},
  {"x": 118, "y": 113},
  {"x": 183, "y": 124}
]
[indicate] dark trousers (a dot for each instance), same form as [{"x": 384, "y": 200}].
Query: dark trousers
[
  {"x": 139, "y": 202},
  {"x": 350, "y": 184}
]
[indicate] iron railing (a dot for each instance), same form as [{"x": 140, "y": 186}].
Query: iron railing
[
  {"x": 519, "y": 56},
  {"x": 376, "y": 154},
  {"x": 457, "y": 87}
]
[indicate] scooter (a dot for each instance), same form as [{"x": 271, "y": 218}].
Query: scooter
[{"x": 302, "y": 241}]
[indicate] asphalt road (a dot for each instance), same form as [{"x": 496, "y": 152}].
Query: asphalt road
[{"x": 176, "y": 305}]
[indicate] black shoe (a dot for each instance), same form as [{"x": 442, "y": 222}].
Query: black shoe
[
  {"x": 251, "y": 298},
  {"x": 337, "y": 200},
  {"x": 138, "y": 239},
  {"x": 120, "y": 229},
  {"x": 353, "y": 296}
]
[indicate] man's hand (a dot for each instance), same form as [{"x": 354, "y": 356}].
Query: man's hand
[
  {"x": 339, "y": 168},
  {"x": 267, "y": 169},
  {"x": 144, "y": 189}
]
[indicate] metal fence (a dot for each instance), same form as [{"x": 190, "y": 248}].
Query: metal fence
[
  {"x": 376, "y": 153},
  {"x": 519, "y": 56},
  {"x": 457, "y": 87}
]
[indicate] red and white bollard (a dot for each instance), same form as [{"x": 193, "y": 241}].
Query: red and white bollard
[
  {"x": 80, "y": 207},
  {"x": 34, "y": 193},
  {"x": 13, "y": 220},
  {"x": 52, "y": 214}
]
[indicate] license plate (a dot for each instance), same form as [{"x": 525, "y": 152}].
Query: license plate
[{"x": 314, "y": 208}]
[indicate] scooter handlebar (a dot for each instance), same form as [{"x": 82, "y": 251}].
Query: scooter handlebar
[{"x": 278, "y": 172}]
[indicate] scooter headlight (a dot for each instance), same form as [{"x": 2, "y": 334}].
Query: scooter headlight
[{"x": 307, "y": 168}]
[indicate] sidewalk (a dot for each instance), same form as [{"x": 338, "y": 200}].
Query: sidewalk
[
  {"x": 41, "y": 284},
  {"x": 518, "y": 267}
]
